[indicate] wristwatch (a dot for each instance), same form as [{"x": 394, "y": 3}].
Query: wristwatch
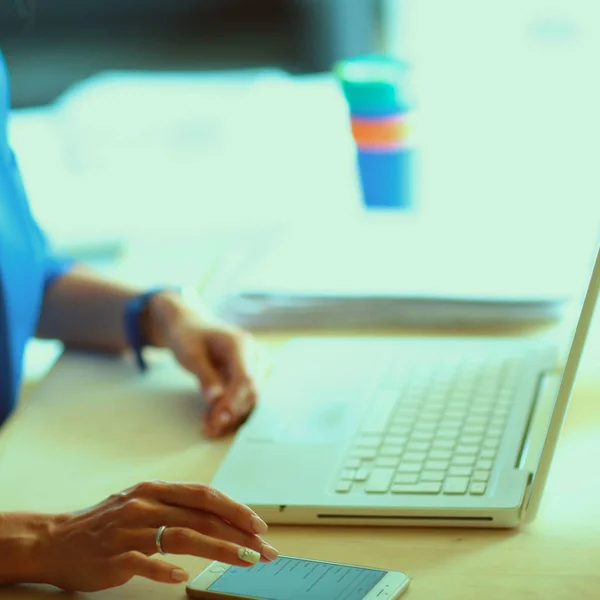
[
  {"x": 133, "y": 324},
  {"x": 133, "y": 317}
]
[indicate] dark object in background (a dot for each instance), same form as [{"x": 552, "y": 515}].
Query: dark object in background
[{"x": 50, "y": 44}]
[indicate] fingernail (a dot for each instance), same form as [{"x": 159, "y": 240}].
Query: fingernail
[
  {"x": 259, "y": 525},
  {"x": 248, "y": 555},
  {"x": 214, "y": 391},
  {"x": 269, "y": 552},
  {"x": 224, "y": 419},
  {"x": 179, "y": 575},
  {"x": 240, "y": 398}
]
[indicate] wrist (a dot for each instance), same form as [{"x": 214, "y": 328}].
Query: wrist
[
  {"x": 26, "y": 547},
  {"x": 161, "y": 313}
]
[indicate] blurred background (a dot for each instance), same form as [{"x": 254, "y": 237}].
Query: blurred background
[
  {"x": 50, "y": 44},
  {"x": 159, "y": 134},
  {"x": 229, "y": 109},
  {"x": 488, "y": 78}
]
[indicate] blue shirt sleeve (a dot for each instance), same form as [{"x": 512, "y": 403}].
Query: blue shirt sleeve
[{"x": 56, "y": 266}]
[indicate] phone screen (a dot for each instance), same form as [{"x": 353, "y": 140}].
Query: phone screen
[{"x": 294, "y": 578}]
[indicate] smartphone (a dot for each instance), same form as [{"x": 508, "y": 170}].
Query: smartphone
[{"x": 291, "y": 578}]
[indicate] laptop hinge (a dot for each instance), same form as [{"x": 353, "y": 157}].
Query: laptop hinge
[{"x": 536, "y": 430}]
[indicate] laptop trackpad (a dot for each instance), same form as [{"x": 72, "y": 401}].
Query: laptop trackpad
[{"x": 310, "y": 418}]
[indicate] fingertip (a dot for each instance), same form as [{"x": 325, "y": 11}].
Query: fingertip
[
  {"x": 214, "y": 392},
  {"x": 212, "y": 430},
  {"x": 179, "y": 575},
  {"x": 223, "y": 419},
  {"x": 258, "y": 525}
]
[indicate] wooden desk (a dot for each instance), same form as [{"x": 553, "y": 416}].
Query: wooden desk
[{"x": 74, "y": 444}]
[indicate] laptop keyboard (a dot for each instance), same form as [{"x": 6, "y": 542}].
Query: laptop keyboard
[{"x": 433, "y": 430}]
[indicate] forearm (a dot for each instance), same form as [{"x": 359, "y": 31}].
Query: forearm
[
  {"x": 23, "y": 544},
  {"x": 86, "y": 311}
]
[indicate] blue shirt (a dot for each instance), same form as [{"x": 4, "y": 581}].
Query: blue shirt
[{"x": 27, "y": 264}]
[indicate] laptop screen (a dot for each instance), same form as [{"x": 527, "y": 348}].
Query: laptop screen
[{"x": 566, "y": 387}]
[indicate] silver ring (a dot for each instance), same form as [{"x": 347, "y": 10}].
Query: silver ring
[{"x": 158, "y": 539}]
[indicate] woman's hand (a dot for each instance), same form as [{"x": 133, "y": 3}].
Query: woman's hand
[
  {"x": 222, "y": 357},
  {"x": 105, "y": 546}
]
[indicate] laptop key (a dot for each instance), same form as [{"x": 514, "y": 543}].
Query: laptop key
[
  {"x": 437, "y": 465},
  {"x": 474, "y": 429},
  {"x": 380, "y": 480},
  {"x": 367, "y": 453},
  {"x": 401, "y": 430},
  {"x": 472, "y": 439},
  {"x": 407, "y": 467},
  {"x": 353, "y": 463},
  {"x": 426, "y": 487},
  {"x": 488, "y": 453},
  {"x": 456, "y": 485},
  {"x": 348, "y": 474},
  {"x": 417, "y": 446},
  {"x": 495, "y": 432},
  {"x": 477, "y": 489},
  {"x": 491, "y": 442},
  {"x": 428, "y": 420},
  {"x": 481, "y": 476},
  {"x": 362, "y": 475},
  {"x": 497, "y": 423},
  {"x": 343, "y": 487},
  {"x": 433, "y": 476},
  {"x": 395, "y": 440},
  {"x": 443, "y": 444},
  {"x": 423, "y": 436},
  {"x": 406, "y": 478},
  {"x": 391, "y": 451},
  {"x": 463, "y": 461},
  {"x": 447, "y": 433},
  {"x": 476, "y": 420},
  {"x": 460, "y": 471},
  {"x": 409, "y": 408},
  {"x": 480, "y": 411},
  {"x": 414, "y": 457},
  {"x": 440, "y": 454},
  {"x": 386, "y": 461},
  {"x": 484, "y": 465}
]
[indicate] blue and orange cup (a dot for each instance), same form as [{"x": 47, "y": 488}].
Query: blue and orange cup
[{"x": 376, "y": 90}]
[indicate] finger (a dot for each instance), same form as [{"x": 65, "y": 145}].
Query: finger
[
  {"x": 234, "y": 360},
  {"x": 238, "y": 360},
  {"x": 212, "y": 429},
  {"x": 177, "y": 540},
  {"x": 197, "y": 362},
  {"x": 173, "y": 516},
  {"x": 212, "y": 526},
  {"x": 134, "y": 563},
  {"x": 232, "y": 408},
  {"x": 211, "y": 381},
  {"x": 144, "y": 540},
  {"x": 202, "y": 498}
]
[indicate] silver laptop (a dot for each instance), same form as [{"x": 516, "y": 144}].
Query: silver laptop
[{"x": 443, "y": 432}]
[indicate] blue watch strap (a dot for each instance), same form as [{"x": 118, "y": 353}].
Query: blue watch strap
[{"x": 132, "y": 324}]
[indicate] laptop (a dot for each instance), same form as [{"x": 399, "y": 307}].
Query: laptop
[{"x": 416, "y": 431}]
